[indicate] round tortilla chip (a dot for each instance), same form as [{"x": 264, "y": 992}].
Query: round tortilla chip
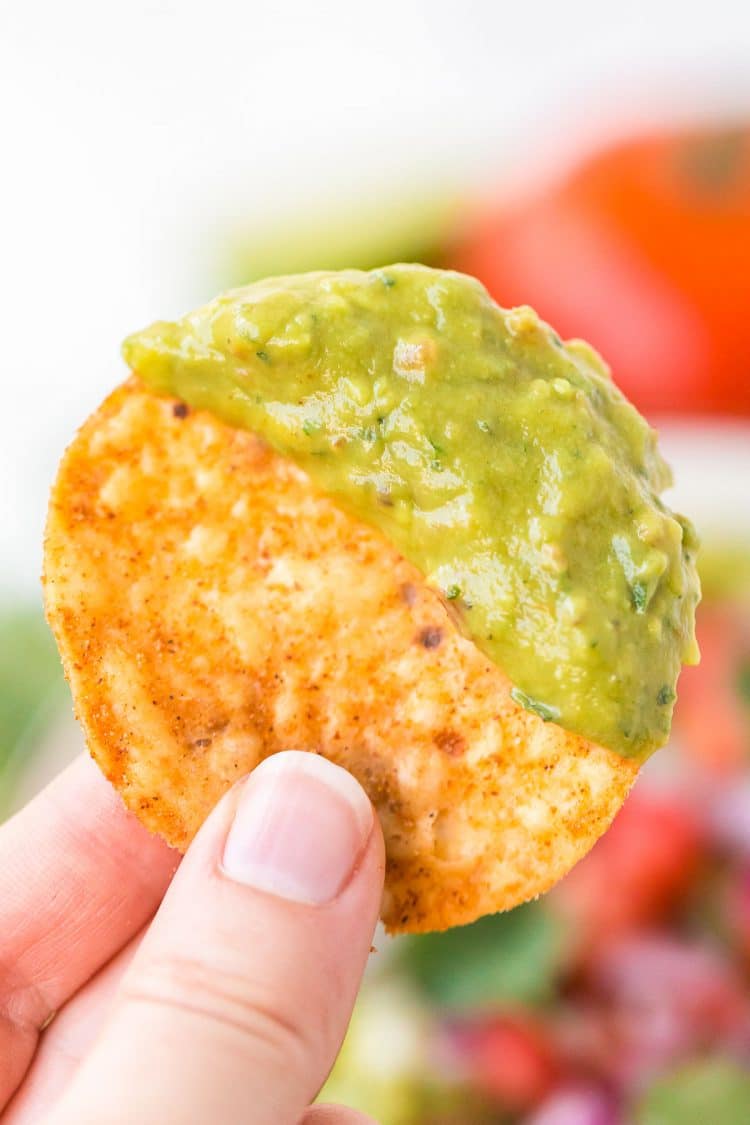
[{"x": 213, "y": 607}]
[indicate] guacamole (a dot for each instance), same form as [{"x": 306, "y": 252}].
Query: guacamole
[{"x": 502, "y": 462}]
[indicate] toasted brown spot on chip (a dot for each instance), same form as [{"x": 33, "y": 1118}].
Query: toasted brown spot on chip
[
  {"x": 431, "y": 636},
  {"x": 450, "y": 742}
]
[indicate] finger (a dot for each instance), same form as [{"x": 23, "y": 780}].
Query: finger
[
  {"x": 78, "y": 877},
  {"x": 236, "y": 1003},
  {"x": 335, "y": 1115},
  {"x": 66, "y": 1042}
]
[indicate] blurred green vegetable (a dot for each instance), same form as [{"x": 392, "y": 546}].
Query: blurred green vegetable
[
  {"x": 381, "y": 1067},
  {"x": 510, "y": 958},
  {"x": 359, "y": 234},
  {"x": 711, "y": 1092},
  {"x": 31, "y": 684},
  {"x": 724, "y": 569}
]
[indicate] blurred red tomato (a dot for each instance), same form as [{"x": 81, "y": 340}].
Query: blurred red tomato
[
  {"x": 712, "y": 718},
  {"x": 636, "y": 873},
  {"x": 509, "y": 1058},
  {"x": 643, "y": 250}
]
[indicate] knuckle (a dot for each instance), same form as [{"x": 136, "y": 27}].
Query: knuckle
[
  {"x": 256, "y": 1018},
  {"x": 23, "y": 1006}
]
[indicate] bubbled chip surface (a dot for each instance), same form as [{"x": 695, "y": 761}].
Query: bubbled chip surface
[{"x": 213, "y": 607}]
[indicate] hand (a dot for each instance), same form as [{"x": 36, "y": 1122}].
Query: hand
[{"x": 231, "y": 1004}]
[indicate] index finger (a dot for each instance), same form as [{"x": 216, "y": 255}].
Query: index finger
[{"x": 78, "y": 877}]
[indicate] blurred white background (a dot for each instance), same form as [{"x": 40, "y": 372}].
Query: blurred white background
[{"x": 133, "y": 135}]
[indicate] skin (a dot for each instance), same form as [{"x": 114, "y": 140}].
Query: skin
[{"x": 182, "y": 994}]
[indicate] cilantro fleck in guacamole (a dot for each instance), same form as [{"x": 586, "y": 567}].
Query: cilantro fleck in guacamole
[{"x": 502, "y": 462}]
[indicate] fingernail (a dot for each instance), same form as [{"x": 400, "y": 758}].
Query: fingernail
[{"x": 300, "y": 826}]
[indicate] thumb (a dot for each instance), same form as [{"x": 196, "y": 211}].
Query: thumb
[{"x": 236, "y": 1004}]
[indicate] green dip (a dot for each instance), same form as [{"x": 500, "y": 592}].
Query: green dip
[{"x": 503, "y": 463}]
